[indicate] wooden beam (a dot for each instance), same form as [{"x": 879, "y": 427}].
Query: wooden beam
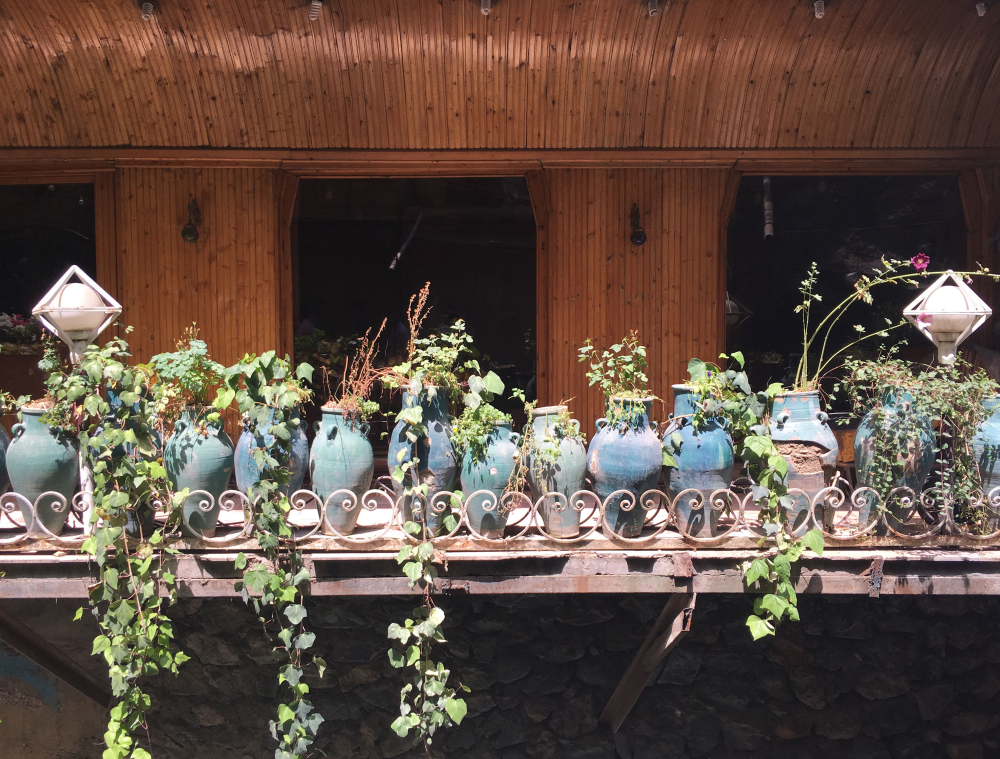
[
  {"x": 672, "y": 625},
  {"x": 490, "y": 162},
  {"x": 286, "y": 260},
  {"x": 31, "y": 645}
]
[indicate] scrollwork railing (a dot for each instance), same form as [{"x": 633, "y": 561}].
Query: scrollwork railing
[{"x": 345, "y": 518}]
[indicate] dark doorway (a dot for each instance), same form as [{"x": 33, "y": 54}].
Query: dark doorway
[
  {"x": 846, "y": 225},
  {"x": 366, "y": 245},
  {"x": 43, "y": 230}
]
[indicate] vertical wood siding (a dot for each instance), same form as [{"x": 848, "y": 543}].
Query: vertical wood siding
[
  {"x": 226, "y": 281},
  {"x": 601, "y": 286}
]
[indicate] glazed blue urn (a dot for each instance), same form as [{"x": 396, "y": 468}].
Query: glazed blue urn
[
  {"x": 625, "y": 455},
  {"x": 341, "y": 458},
  {"x": 557, "y": 464},
  {"x": 438, "y": 468},
  {"x": 248, "y": 472},
  {"x": 199, "y": 456},
  {"x": 489, "y": 472},
  {"x": 800, "y": 431},
  {"x": 704, "y": 462},
  {"x": 986, "y": 445},
  {"x": 42, "y": 459},
  {"x": 915, "y": 454}
]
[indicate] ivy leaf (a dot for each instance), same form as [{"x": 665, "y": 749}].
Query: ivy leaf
[
  {"x": 396, "y": 658},
  {"x": 305, "y": 640},
  {"x": 774, "y": 604},
  {"x": 295, "y": 613},
  {"x": 813, "y": 540},
  {"x": 456, "y": 709},
  {"x": 758, "y": 568},
  {"x": 241, "y": 561},
  {"x": 759, "y": 628}
]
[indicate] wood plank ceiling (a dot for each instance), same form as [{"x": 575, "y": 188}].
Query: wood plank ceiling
[{"x": 396, "y": 74}]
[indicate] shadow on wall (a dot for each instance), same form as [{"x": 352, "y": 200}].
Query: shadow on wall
[{"x": 43, "y": 718}]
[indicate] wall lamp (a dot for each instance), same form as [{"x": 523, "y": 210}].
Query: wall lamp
[
  {"x": 638, "y": 236},
  {"x": 190, "y": 231},
  {"x": 147, "y": 8}
]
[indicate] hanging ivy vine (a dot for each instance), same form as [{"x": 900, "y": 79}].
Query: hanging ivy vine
[
  {"x": 267, "y": 393},
  {"x": 119, "y": 446}
]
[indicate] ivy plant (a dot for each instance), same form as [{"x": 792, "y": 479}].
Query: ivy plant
[
  {"x": 727, "y": 393},
  {"x": 119, "y": 447},
  {"x": 620, "y": 373},
  {"x": 267, "y": 392},
  {"x": 426, "y": 703}
]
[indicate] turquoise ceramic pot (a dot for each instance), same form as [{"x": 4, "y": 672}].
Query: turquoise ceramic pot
[
  {"x": 4, "y": 443},
  {"x": 247, "y": 471},
  {"x": 917, "y": 457},
  {"x": 704, "y": 463},
  {"x": 141, "y": 521},
  {"x": 41, "y": 459},
  {"x": 341, "y": 458},
  {"x": 802, "y": 435},
  {"x": 491, "y": 472},
  {"x": 986, "y": 445},
  {"x": 199, "y": 459},
  {"x": 558, "y": 464},
  {"x": 625, "y": 456},
  {"x": 438, "y": 465}
]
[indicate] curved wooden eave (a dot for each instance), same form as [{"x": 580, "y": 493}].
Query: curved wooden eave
[{"x": 420, "y": 74}]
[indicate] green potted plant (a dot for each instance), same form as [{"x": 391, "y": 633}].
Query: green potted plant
[
  {"x": 341, "y": 458},
  {"x": 198, "y": 454},
  {"x": 487, "y": 448},
  {"x": 625, "y": 453},
  {"x": 421, "y": 457}
]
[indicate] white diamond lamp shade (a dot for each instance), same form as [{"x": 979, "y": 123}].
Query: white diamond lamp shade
[
  {"x": 946, "y": 313},
  {"x": 76, "y": 311}
]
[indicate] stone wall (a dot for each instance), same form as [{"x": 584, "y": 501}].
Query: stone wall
[{"x": 912, "y": 678}]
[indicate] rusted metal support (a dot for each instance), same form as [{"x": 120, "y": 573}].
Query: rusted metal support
[
  {"x": 33, "y": 646},
  {"x": 673, "y": 624},
  {"x": 875, "y": 577},
  {"x": 376, "y": 573}
]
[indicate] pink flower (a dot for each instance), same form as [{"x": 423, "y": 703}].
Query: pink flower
[
  {"x": 920, "y": 262},
  {"x": 924, "y": 318}
]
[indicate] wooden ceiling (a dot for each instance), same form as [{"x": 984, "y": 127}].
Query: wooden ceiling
[{"x": 438, "y": 74}]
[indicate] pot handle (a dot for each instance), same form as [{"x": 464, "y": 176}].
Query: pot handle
[
  {"x": 179, "y": 425},
  {"x": 822, "y": 416},
  {"x": 17, "y": 430},
  {"x": 783, "y": 417},
  {"x": 316, "y": 426},
  {"x": 365, "y": 428},
  {"x": 516, "y": 438},
  {"x": 575, "y": 424},
  {"x": 601, "y": 423}
]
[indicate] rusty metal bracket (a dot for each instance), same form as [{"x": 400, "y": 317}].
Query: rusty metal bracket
[
  {"x": 875, "y": 577},
  {"x": 683, "y": 567},
  {"x": 673, "y": 624}
]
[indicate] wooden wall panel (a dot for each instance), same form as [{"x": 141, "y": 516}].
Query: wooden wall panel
[
  {"x": 398, "y": 74},
  {"x": 601, "y": 286},
  {"x": 226, "y": 282}
]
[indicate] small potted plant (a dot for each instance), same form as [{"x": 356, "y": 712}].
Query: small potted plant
[
  {"x": 198, "y": 454},
  {"x": 487, "y": 447},
  {"x": 421, "y": 457},
  {"x": 626, "y": 453},
  {"x": 341, "y": 457}
]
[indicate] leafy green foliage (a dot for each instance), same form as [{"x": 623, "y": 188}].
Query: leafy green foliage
[
  {"x": 268, "y": 393},
  {"x": 119, "y": 446},
  {"x": 619, "y": 370},
  {"x": 472, "y": 430},
  {"x": 188, "y": 374},
  {"x": 727, "y": 393},
  {"x": 426, "y": 702}
]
